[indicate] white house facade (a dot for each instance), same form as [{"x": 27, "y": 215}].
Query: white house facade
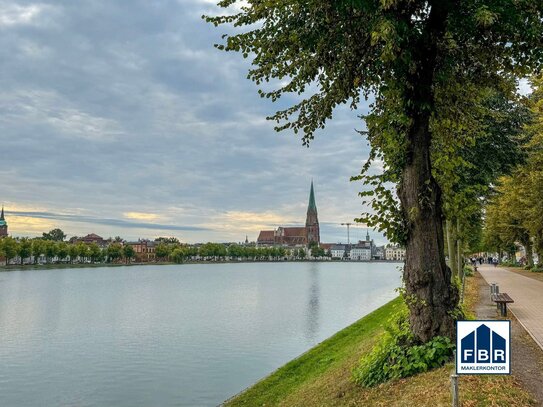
[
  {"x": 361, "y": 251},
  {"x": 395, "y": 253}
]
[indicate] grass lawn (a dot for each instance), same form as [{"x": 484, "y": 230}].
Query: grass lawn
[{"x": 322, "y": 376}]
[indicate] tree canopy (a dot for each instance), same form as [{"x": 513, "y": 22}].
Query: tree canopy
[
  {"x": 426, "y": 67},
  {"x": 514, "y": 212},
  {"x": 56, "y": 235}
]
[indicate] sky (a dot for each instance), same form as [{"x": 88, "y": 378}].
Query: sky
[{"x": 121, "y": 118}]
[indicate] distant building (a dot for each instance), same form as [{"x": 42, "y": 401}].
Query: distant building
[
  {"x": 394, "y": 252},
  {"x": 266, "y": 238},
  {"x": 312, "y": 220},
  {"x": 361, "y": 251},
  {"x": 379, "y": 253},
  {"x": 326, "y": 246},
  {"x": 3, "y": 224},
  {"x": 295, "y": 236},
  {"x": 144, "y": 249},
  {"x": 89, "y": 239},
  {"x": 291, "y": 236},
  {"x": 338, "y": 251}
]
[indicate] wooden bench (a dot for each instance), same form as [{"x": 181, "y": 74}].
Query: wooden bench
[{"x": 501, "y": 300}]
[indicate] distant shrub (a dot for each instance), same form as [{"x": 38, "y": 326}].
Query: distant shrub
[
  {"x": 527, "y": 268},
  {"x": 468, "y": 271},
  {"x": 397, "y": 355},
  {"x": 537, "y": 269}
]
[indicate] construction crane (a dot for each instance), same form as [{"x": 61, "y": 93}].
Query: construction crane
[{"x": 348, "y": 224}]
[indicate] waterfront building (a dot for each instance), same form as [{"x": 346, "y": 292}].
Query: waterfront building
[
  {"x": 326, "y": 246},
  {"x": 298, "y": 235},
  {"x": 394, "y": 252},
  {"x": 266, "y": 238},
  {"x": 89, "y": 239},
  {"x": 361, "y": 251},
  {"x": 144, "y": 250},
  {"x": 3, "y": 224},
  {"x": 291, "y": 236},
  {"x": 379, "y": 253},
  {"x": 338, "y": 251}
]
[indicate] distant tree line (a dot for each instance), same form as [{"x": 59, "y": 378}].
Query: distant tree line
[
  {"x": 179, "y": 253},
  {"x": 52, "y": 248},
  {"x": 63, "y": 252}
]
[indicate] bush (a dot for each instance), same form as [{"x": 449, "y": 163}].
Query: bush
[
  {"x": 468, "y": 271},
  {"x": 397, "y": 355},
  {"x": 528, "y": 268},
  {"x": 537, "y": 269}
]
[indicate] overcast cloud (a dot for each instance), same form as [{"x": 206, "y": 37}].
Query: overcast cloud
[{"x": 120, "y": 118}]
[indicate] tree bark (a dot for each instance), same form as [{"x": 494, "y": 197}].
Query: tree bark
[
  {"x": 431, "y": 297},
  {"x": 459, "y": 251},
  {"x": 529, "y": 252},
  {"x": 451, "y": 247},
  {"x": 539, "y": 248}
]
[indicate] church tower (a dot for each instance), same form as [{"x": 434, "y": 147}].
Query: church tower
[
  {"x": 312, "y": 220},
  {"x": 3, "y": 224}
]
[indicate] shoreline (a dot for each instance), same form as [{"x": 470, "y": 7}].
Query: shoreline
[{"x": 61, "y": 266}]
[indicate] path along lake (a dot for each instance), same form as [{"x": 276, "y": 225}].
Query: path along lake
[{"x": 186, "y": 335}]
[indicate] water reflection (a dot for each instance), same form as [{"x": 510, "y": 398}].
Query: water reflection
[{"x": 313, "y": 304}]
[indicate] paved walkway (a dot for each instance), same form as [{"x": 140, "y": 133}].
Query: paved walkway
[{"x": 528, "y": 296}]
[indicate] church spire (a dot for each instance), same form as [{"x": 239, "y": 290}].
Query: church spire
[
  {"x": 312, "y": 220},
  {"x": 312, "y": 205},
  {"x": 2, "y": 213},
  {"x": 367, "y": 235}
]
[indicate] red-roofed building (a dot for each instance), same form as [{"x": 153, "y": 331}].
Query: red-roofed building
[
  {"x": 266, "y": 237},
  {"x": 144, "y": 250},
  {"x": 291, "y": 236},
  {"x": 326, "y": 246},
  {"x": 90, "y": 238}
]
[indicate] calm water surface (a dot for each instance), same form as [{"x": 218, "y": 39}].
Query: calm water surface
[{"x": 188, "y": 335}]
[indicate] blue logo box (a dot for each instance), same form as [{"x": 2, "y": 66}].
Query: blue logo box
[{"x": 483, "y": 347}]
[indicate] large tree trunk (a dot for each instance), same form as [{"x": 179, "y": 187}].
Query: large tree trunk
[
  {"x": 526, "y": 242},
  {"x": 451, "y": 247},
  {"x": 459, "y": 251},
  {"x": 539, "y": 248},
  {"x": 431, "y": 297}
]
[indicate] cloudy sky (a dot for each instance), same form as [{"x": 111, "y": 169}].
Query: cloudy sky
[{"x": 120, "y": 118}]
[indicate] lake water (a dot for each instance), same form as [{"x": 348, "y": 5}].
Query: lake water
[{"x": 187, "y": 335}]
